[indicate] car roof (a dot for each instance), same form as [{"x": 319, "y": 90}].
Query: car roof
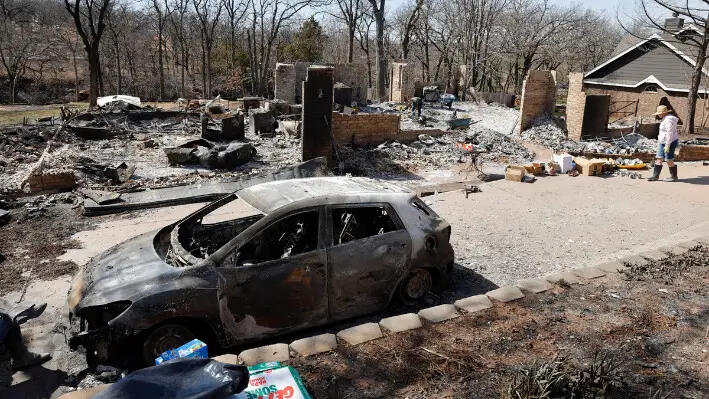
[{"x": 268, "y": 197}]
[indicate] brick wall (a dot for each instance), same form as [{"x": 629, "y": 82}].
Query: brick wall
[
  {"x": 366, "y": 128},
  {"x": 648, "y": 102},
  {"x": 289, "y": 79},
  {"x": 52, "y": 180},
  {"x": 538, "y": 97},
  {"x": 575, "y": 105}
]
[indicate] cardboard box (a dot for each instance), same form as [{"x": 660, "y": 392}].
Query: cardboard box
[
  {"x": 271, "y": 380},
  {"x": 590, "y": 167},
  {"x": 534, "y": 168},
  {"x": 194, "y": 348},
  {"x": 564, "y": 161},
  {"x": 515, "y": 173}
]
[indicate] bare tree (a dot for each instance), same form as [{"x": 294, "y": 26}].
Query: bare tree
[
  {"x": 179, "y": 17},
  {"x": 364, "y": 26},
  {"x": 21, "y": 41},
  {"x": 410, "y": 20},
  {"x": 529, "y": 25},
  {"x": 235, "y": 11},
  {"x": 267, "y": 17},
  {"x": 161, "y": 17},
  {"x": 90, "y": 22},
  {"x": 350, "y": 13},
  {"x": 378, "y": 13},
  {"x": 208, "y": 15}
]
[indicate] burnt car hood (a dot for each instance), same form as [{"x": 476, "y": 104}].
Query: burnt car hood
[{"x": 121, "y": 273}]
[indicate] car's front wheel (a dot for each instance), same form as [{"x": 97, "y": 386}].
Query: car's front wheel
[
  {"x": 415, "y": 286},
  {"x": 164, "y": 338}
]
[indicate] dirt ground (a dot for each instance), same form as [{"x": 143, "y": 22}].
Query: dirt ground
[
  {"x": 32, "y": 241},
  {"x": 633, "y": 337}
]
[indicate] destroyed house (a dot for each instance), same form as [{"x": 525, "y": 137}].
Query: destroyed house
[{"x": 644, "y": 73}]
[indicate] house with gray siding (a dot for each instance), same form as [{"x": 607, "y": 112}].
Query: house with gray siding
[{"x": 644, "y": 73}]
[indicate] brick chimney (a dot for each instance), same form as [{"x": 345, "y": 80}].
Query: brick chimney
[{"x": 674, "y": 24}]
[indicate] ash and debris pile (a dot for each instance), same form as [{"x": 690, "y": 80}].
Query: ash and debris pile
[
  {"x": 94, "y": 149},
  {"x": 545, "y": 132},
  {"x": 391, "y": 158}
]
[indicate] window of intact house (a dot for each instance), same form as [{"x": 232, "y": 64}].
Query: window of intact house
[
  {"x": 289, "y": 236},
  {"x": 355, "y": 223},
  {"x": 650, "y": 89}
]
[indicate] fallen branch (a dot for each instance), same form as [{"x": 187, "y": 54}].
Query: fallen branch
[{"x": 444, "y": 356}]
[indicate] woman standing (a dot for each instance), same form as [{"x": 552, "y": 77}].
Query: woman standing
[{"x": 667, "y": 142}]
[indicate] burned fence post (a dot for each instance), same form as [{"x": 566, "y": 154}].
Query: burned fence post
[{"x": 317, "y": 113}]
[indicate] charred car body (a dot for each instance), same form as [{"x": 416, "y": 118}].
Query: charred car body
[{"x": 301, "y": 253}]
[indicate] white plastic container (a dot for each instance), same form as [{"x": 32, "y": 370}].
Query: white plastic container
[{"x": 564, "y": 161}]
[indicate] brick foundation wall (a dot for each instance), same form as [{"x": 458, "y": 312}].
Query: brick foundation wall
[
  {"x": 575, "y": 106},
  {"x": 538, "y": 97},
  {"x": 289, "y": 79},
  {"x": 366, "y": 128},
  {"x": 648, "y": 102},
  {"x": 52, "y": 181}
]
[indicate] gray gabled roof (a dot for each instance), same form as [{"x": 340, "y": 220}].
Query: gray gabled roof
[{"x": 666, "y": 60}]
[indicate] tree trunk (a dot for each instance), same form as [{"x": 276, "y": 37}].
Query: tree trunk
[
  {"x": 696, "y": 82},
  {"x": 13, "y": 86},
  {"x": 94, "y": 74},
  {"x": 119, "y": 78},
  {"x": 76, "y": 78},
  {"x": 209, "y": 69},
  {"x": 350, "y": 43},
  {"x": 204, "y": 72},
  {"x": 161, "y": 72},
  {"x": 381, "y": 62}
]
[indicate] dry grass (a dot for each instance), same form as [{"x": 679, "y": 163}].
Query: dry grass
[{"x": 16, "y": 114}]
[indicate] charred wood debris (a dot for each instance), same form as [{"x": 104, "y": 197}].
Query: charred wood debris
[{"x": 125, "y": 147}]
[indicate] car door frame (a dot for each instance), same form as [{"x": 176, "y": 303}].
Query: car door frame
[
  {"x": 244, "y": 274},
  {"x": 395, "y": 277}
]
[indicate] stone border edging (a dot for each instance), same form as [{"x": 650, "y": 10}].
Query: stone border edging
[{"x": 437, "y": 314}]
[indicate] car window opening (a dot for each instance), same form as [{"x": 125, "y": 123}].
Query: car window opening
[
  {"x": 293, "y": 235},
  {"x": 212, "y": 230},
  {"x": 356, "y": 223}
]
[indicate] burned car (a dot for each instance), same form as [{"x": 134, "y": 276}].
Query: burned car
[{"x": 270, "y": 259}]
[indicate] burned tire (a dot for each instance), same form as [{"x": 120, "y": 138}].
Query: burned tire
[
  {"x": 415, "y": 286},
  {"x": 163, "y": 338}
]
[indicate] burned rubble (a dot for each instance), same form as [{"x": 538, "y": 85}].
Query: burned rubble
[
  {"x": 545, "y": 132},
  {"x": 438, "y": 152}
]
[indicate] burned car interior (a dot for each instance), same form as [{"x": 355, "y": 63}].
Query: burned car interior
[
  {"x": 292, "y": 235},
  {"x": 354, "y": 223},
  {"x": 208, "y": 231}
]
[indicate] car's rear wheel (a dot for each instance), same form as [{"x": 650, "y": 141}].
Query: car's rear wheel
[
  {"x": 163, "y": 338},
  {"x": 415, "y": 286}
]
